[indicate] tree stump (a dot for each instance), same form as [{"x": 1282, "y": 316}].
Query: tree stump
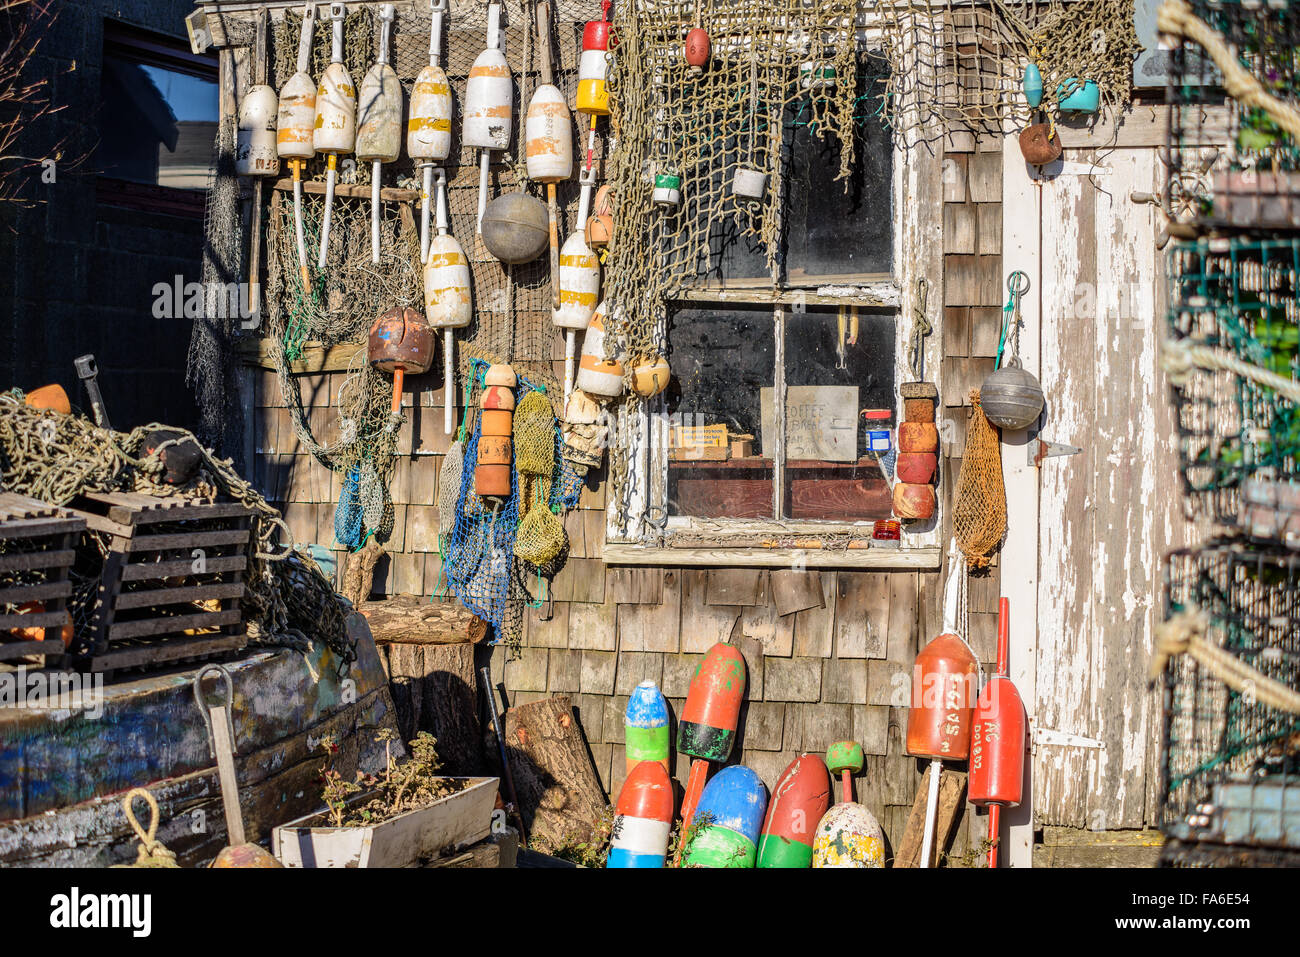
[{"x": 555, "y": 780}]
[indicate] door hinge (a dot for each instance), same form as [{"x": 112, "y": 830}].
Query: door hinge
[
  {"x": 1040, "y": 448},
  {"x": 1047, "y": 736}
]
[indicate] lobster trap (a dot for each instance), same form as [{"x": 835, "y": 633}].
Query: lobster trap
[
  {"x": 162, "y": 581},
  {"x": 1231, "y": 755},
  {"x": 1238, "y": 436},
  {"x": 1233, "y": 164},
  {"x": 36, "y": 554}
]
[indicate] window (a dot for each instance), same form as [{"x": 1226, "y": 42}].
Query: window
[{"x": 158, "y": 115}]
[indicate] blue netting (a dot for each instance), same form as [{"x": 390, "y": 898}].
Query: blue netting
[{"x": 347, "y": 516}]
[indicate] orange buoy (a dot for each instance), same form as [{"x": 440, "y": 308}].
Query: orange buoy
[
  {"x": 707, "y": 727},
  {"x": 492, "y": 467},
  {"x": 50, "y": 397},
  {"x": 644, "y": 818}
]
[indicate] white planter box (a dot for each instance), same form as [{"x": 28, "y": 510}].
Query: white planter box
[{"x": 449, "y": 823}]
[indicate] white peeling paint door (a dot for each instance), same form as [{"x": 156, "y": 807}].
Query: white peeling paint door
[{"x": 1083, "y": 568}]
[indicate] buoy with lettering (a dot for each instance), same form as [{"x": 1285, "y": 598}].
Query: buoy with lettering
[
  {"x": 336, "y": 120},
  {"x": 548, "y": 142},
  {"x": 644, "y": 818},
  {"x": 428, "y": 128},
  {"x": 706, "y": 729},
  {"x": 379, "y": 121},
  {"x": 598, "y": 376},
  {"x": 697, "y": 49},
  {"x": 492, "y": 471},
  {"x": 798, "y": 803},
  {"x": 489, "y": 104},
  {"x": 848, "y": 835},
  {"x": 257, "y": 149},
  {"x": 731, "y": 817},
  {"x": 447, "y": 302},
  {"x": 645, "y": 726},
  {"x": 997, "y": 742},
  {"x": 401, "y": 341},
  {"x": 943, "y": 693},
  {"x": 296, "y": 128}
]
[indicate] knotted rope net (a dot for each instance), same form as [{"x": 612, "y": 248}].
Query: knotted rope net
[{"x": 979, "y": 508}]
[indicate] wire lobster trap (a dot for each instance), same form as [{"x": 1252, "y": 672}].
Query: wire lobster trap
[
  {"x": 1234, "y": 314},
  {"x": 1231, "y": 755},
  {"x": 1233, "y": 164}
]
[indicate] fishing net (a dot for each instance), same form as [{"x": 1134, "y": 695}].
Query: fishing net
[
  {"x": 540, "y": 537},
  {"x": 979, "y": 508},
  {"x": 55, "y": 458}
]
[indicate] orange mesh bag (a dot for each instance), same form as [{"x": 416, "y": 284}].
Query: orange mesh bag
[{"x": 979, "y": 510}]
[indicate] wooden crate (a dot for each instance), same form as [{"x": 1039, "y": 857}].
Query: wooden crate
[
  {"x": 37, "y": 543},
  {"x": 165, "y": 556}
]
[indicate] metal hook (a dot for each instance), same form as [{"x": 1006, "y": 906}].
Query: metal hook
[
  {"x": 203, "y": 707},
  {"x": 1018, "y": 283}
]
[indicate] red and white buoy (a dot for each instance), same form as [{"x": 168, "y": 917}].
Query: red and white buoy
[
  {"x": 336, "y": 119},
  {"x": 428, "y": 130},
  {"x": 379, "y": 121},
  {"x": 295, "y": 128},
  {"x": 489, "y": 104},
  {"x": 447, "y": 302}
]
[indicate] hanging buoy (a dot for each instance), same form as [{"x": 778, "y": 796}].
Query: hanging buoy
[
  {"x": 706, "y": 729},
  {"x": 749, "y": 183},
  {"x": 644, "y": 818},
  {"x": 379, "y": 121},
  {"x": 336, "y": 120},
  {"x": 1039, "y": 144},
  {"x": 593, "y": 95},
  {"x": 997, "y": 741},
  {"x": 489, "y": 104},
  {"x": 798, "y": 802},
  {"x": 599, "y": 230},
  {"x": 1078, "y": 96},
  {"x": 447, "y": 302},
  {"x": 579, "y": 290},
  {"x": 667, "y": 190},
  {"x": 848, "y": 835},
  {"x": 492, "y": 471},
  {"x": 548, "y": 142},
  {"x": 515, "y": 228},
  {"x": 1011, "y": 397},
  {"x": 400, "y": 341},
  {"x": 428, "y": 129},
  {"x": 645, "y": 726},
  {"x": 733, "y": 804},
  {"x": 256, "y": 149},
  {"x": 296, "y": 127},
  {"x": 650, "y": 376},
  {"x": 697, "y": 49},
  {"x": 597, "y": 375},
  {"x": 1032, "y": 84}
]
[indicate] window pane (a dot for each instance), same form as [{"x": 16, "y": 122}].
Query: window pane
[
  {"x": 157, "y": 125},
  {"x": 830, "y": 471},
  {"x": 722, "y": 357}
]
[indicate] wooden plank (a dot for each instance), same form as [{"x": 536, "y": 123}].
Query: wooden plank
[
  {"x": 39, "y": 527},
  {"x": 871, "y": 293},
  {"x": 26, "y": 561},
  {"x": 861, "y": 614},
  {"x": 703, "y": 625},
  {"x": 952, "y": 787},
  {"x": 43, "y": 592},
  {"x": 34, "y": 619},
  {"x": 154, "y": 597},
  {"x": 635, "y": 586},
  {"x": 734, "y": 586},
  {"x": 152, "y": 570},
  {"x": 387, "y": 194},
  {"x": 795, "y": 590},
  {"x": 984, "y": 174},
  {"x": 172, "y": 649},
  {"x": 814, "y": 628},
  {"x": 195, "y": 539},
  {"x": 617, "y": 553},
  {"x": 315, "y": 357},
  {"x": 13, "y": 650},
  {"x": 171, "y": 625},
  {"x": 954, "y": 178},
  {"x": 959, "y": 228}
]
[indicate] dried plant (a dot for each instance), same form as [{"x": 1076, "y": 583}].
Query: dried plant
[{"x": 402, "y": 786}]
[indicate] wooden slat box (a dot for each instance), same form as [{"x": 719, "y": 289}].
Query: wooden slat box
[
  {"x": 37, "y": 543},
  {"x": 166, "y": 556}
]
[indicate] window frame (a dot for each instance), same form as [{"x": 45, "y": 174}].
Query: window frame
[{"x": 633, "y": 538}]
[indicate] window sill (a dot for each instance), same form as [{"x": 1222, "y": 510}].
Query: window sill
[{"x": 618, "y": 553}]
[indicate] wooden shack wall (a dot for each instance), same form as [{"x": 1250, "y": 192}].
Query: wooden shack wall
[{"x": 836, "y": 664}]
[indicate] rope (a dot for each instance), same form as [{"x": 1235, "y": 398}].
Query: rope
[
  {"x": 1180, "y": 356},
  {"x": 1184, "y": 633},
  {"x": 152, "y": 852},
  {"x": 1176, "y": 17}
]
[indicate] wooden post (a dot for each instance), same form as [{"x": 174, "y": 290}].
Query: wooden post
[{"x": 952, "y": 789}]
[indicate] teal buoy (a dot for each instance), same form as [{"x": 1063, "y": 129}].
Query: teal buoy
[
  {"x": 1033, "y": 85},
  {"x": 1078, "y": 96}
]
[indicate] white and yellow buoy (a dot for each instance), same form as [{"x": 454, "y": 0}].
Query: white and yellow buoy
[
  {"x": 447, "y": 302},
  {"x": 379, "y": 121},
  {"x": 336, "y": 119},
  {"x": 296, "y": 128},
  {"x": 256, "y": 149},
  {"x": 428, "y": 130},
  {"x": 548, "y": 141},
  {"x": 579, "y": 284},
  {"x": 598, "y": 376},
  {"x": 489, "y": 104}
]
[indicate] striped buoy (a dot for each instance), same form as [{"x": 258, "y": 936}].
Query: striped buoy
[
  {"x": 644, "y": 818},
  {"x": 597, "y": 375},
  {"x": 645, "y": 726},
  {"x": 798, "y": 804},
  {"x": 849, "y": 836},
  {"x": 732, "y": 805}
]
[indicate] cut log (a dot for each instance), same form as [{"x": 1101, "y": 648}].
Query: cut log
[
  {"x": 555, "y": 779},
  {"x": 952, "y": 789},
  {"x": 414, "y": 620},
  {"x": 359, "y": 572}
]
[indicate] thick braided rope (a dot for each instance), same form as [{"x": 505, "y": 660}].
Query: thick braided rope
[
  {"x": 1176, "y": 17},
  {"x": 1183, "y": 634},
  {"x": 1179, "y": 356}
]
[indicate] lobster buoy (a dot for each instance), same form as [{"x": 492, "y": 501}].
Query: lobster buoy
[
  {"x": 1011, "y": 397},
  {"x": 516, "y": 228},
  {"x": 650, "y": 376},
  {"x": 1032, "y": 85},
  {"x": 848, "y": 836},
  {"x": 798, "y": 803},
  {"x": 997, "y": 741},
  {"x": 400, "y": 342},
  {"x": 644, "y": 818},
  {"x": 296, "y": 129},
  {"x": 447, "y": 302},
  {"x": 52, "y": 397},
  {"x": 645, "y": 726},
  {"x": 336, "y": 120},
  {"x": 733, "y": 804},
  {"x": 257, "y": 143},
  {"x": 597, "y": 375},
  {"x": 489, "y": 104},
  {"x": 492, "y": 471},
  {"x": 593, "y": 95},
  {"x": 697, "y": 49},
  {"x": 428, "y": 127},
  {"x": 548, "y": 136},
  {"x": 1039, "y": 144},
  {"x": 579, "y": 284},
  {"x": 706, "y": 729},
  {"x": 599, "y": 230},
  {"x": 379, "y": 126},
  {"x": 939, "y": 719}
]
